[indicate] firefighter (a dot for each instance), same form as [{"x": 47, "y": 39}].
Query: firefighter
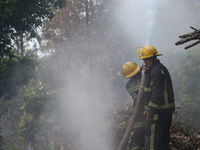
[
  {"x": 133, "y": 72},
  {"x": 159, "y": 98}
]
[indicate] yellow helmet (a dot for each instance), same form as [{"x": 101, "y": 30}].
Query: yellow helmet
[
  {"x": 147, "y": 51},
  {"x": 129, "y": 69}
]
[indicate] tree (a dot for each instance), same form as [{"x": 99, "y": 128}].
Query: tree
[
  {"x": 35, "y": 98},
  {"x": 186, "y": 85},
  {"x": 21, "y": 19},
  {"x": 15, "y": 73}
]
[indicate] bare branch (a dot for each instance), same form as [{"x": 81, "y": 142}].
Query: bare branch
[
  {"x": 193, "y": 28},
  {"x": 189, "y": 34},
  {"x": 188, "y": 37},
  {"x": 192, "y": 37},
  {"x": 192, "y": 45}
]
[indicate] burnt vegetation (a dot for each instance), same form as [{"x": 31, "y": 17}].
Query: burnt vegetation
[{"x": 183, "y": 136}]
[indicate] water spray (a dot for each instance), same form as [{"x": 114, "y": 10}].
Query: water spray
[{"x": 150, "y": 18}]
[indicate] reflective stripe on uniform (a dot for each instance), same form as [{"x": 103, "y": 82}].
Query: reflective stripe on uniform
[
  {"x": 152, "y": 136},
  {"x": 133, "y": 89},
  {"x": 165, "y": 93},
  {"x": 153, "y": 104},
  {"x": 147, "y": 89},
  {"x": 166, "y": 106},
  {"x": 130, "y": 137},
  {"x": 155, "y": 117},
  {"x": 161, "y": 106},
  {"x": 162, "y": 72},
  {"x": 136, "y": 147},
  {"x": 139, "y": 124}
]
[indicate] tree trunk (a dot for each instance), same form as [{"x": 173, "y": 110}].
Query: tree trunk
[
  {"x": 87, "y": 13},
  {"x": 22, "y": 44}
]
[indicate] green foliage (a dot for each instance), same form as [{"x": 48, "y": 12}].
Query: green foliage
[
  {"x": 35, "y": 102},
  {"x": 35, "y": 99},
  {"x": 188, "y": 86},
  {"x": 20, "y": 17},
  {"x": 15, "y": 73},
  {"x": 28, "y": 127},
  {"x": 5, "y": 31},
  {"x": 2, "y": 142},
  {"x": 26, "y": 15}
]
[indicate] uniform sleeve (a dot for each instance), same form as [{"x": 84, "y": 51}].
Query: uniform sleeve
[{"x": 157, "y": 89}]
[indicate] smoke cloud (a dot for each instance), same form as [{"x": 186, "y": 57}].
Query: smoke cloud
[
  {"x": 86, "y": 99},
  {"x": 88, "y": 96},
  {"x": 156, "y": 22},
  {"x": 89, "y": 105}
]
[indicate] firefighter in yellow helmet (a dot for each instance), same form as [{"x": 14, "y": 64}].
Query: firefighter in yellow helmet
[
  {"x": 159, "y": 96},
  {"x": 133, "y": 73}
]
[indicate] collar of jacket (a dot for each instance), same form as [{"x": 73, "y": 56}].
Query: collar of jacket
[
  {"x": 150, "y": 68},
  {"x": 136, "y": 76}
]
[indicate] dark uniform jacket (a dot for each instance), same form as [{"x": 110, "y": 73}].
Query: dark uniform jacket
[
  {"x": 137, "y": 135},
  {"x": 133, "y": 86},
  {"x": 158, "y": 90}
]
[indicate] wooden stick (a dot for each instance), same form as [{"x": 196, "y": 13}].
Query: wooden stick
[
  {"x": 192, "y": 37},
  {"x": 189, "y": 34},
  {"x": 193, "y": 28},
  {"x": 188, "y": 37},
  {"x": 192, "y": 45}
]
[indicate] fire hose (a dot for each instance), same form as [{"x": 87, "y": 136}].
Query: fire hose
[{"x": 133, "y": 117}]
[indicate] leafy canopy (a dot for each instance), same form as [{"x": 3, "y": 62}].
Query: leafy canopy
[{"x": 23, "y": 17}]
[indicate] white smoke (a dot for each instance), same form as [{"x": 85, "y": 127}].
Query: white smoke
[
  {"x": 150, "y": 19},
  {"x": 156, "y": 22},
  {"x": 86, "y": 102},
  {"x": 87, "y": 99},
  {"x": 89, "y": 107}
]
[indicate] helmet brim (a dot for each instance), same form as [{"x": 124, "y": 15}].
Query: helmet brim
[{"x": 158, "y": 54}]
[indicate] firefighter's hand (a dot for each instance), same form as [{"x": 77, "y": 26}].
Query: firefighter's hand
[
  {"x": 148, "y": 114},
  {"x": 143, "y": 67}
]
